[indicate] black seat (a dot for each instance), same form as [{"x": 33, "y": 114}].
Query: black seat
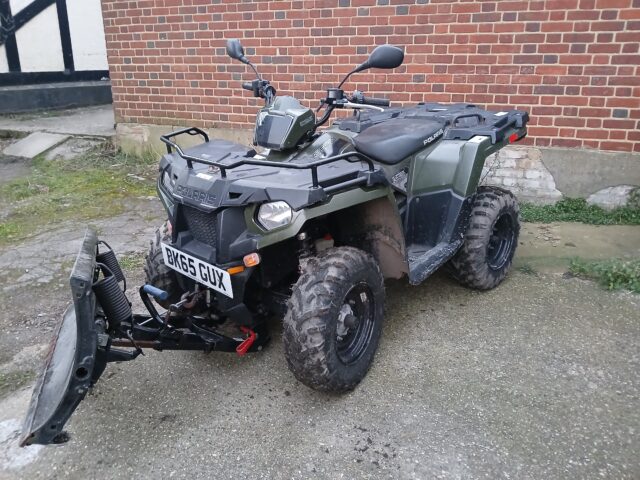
[{"x": 394, "y": 140}]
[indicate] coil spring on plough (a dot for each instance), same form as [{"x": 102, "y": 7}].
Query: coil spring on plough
[{"x": 110, "y": 296}]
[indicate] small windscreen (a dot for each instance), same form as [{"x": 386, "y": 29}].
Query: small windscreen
[{"x": 272, "y": 131}]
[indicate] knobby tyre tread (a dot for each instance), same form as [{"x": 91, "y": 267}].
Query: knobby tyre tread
[
  {"x": 157, "y": 273},
  {"x": 470, "y": 265},
  {"x": 309, "y": 333}
]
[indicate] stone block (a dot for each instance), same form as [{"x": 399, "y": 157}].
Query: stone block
[
  {"x": 34, "y": 144},
  {"x": 611, "y": 197}
]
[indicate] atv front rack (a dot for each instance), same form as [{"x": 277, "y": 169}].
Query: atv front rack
[{"x": 238, "y": 161}]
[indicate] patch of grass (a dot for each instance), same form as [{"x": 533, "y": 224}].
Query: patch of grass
[
  {"x": 93, "y": 185},
  {"x": 612, "y": 274},
  {"x": 133, "y": 261},
  {"x": 634, "y": 198},
  {"x": 12, "y": 381},
  {"x": 527, "y": 269},
  {"x": 9, "y": 229},
  {"x": 577, "y": 210}
]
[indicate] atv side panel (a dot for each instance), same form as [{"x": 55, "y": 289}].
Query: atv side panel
[{"x": 455, "y": 164}]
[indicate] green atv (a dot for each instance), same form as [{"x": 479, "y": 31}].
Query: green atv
[{"x": 305, "y": 229}]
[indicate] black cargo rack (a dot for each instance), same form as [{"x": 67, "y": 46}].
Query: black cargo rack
[
  {"x": 461, "y": 121},
  {"x": 313, "y": 166},
  {"x": 489, "y": 125}
]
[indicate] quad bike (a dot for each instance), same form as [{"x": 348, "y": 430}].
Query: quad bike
[{"x": 306, "y": 229}]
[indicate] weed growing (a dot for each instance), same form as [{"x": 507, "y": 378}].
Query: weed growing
[
  {"x": 612, "y": 274},
  {"x": 578, "y": 210}
]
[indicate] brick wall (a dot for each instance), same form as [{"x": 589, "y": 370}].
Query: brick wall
[{"x": 573, "y": 64}]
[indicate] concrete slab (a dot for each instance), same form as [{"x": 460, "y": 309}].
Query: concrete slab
[
  {"x": 72, "y": 148},
  {"x": 89, "y": 121},
  {"x": 34, "y": 144}
]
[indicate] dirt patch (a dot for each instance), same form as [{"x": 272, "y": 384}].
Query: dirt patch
[
  {"x": 12, "y": 381},
  {"x": 12, "y": 168},
  {"x": 549, "y": 247}
]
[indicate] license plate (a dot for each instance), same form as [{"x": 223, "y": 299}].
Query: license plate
[{"x": 202, "y": 272}]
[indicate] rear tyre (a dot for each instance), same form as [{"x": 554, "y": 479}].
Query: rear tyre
[
  {"x": 490, "y": 242},
  {"x": 334, "y": 319},
  {"x": 157, "y": 273}
]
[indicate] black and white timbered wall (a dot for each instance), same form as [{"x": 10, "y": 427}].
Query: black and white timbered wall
[{"x": 44, "y": 41}]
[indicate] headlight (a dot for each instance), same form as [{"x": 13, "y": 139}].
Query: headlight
[
  {"x": 167, "y": 181},
  {"x": 274, "y": 214}
]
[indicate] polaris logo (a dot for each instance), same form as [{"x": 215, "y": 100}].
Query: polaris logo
[
  {"x": 433, "y": 137},
  {"x": 203, "y": 198}
]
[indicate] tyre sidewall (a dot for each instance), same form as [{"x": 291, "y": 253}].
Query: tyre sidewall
[
  {"x": 470, "y": 266},
  {"x": 157, "y": 273},
  {"x": 311, "y": 322},
  {"x": 499, "y": 273},
  {"x": 352, "y": 373}
]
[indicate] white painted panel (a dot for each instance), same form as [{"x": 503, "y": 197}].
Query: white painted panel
[
  {"x": 4, "y": 66},
  {"x": 87, "y": 35},
  {"x": 39, "y": 43},
  {"x": 17, "y": 5}
]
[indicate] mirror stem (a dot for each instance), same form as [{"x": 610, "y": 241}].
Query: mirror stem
[
  {"x": 254, "y": 69},
  {"x": 359, "y": 68},
  {"x": 345, "y": 78}
]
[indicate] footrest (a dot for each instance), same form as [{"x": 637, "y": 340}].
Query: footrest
[{"x": 422, "y": 263}]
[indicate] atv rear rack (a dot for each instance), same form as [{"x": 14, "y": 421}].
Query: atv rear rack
[{"x": 313, "y": 166}]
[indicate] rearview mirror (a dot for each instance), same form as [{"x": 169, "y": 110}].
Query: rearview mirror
[
  {"x": 385, "y": 56},
  {"x": 235, "y": 50}
]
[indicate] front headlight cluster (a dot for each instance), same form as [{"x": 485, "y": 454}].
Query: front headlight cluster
[{"x": 274, "y": 214}]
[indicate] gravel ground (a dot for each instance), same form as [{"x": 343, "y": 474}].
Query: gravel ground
[{"x": 536, "y": 379}]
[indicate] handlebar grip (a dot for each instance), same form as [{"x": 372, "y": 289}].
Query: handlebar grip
[
  {"x": 378, "y": 102},
  {"x": 247, "y": 86}
]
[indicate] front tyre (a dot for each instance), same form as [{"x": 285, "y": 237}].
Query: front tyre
[
  {"x": 334, "y": 319},
  {"x": 486, "y": 255},
  {"x": 157, "y": 273}
]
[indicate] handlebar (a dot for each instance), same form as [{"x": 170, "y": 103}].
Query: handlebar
[
  {"x": 379, "y": 102},
  {"x": 358, "y": 97},
  {"x": 248, "y": 86}
]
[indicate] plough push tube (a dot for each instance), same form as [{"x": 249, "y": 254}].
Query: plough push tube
[{"x": 313, "y": 166}]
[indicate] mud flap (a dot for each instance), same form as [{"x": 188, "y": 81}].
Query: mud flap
[{"x": 70, "y": 367}]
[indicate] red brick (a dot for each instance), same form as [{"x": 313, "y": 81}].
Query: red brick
[
  {"x": 616, "y": 146},
  {"x": 563, "y": 58},
  {"x": 600, "y": 4}
]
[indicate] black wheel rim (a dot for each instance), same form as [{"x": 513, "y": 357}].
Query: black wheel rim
[
  {"x": 355, "y": 324},
  {"x": 501, "y": 242}
]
